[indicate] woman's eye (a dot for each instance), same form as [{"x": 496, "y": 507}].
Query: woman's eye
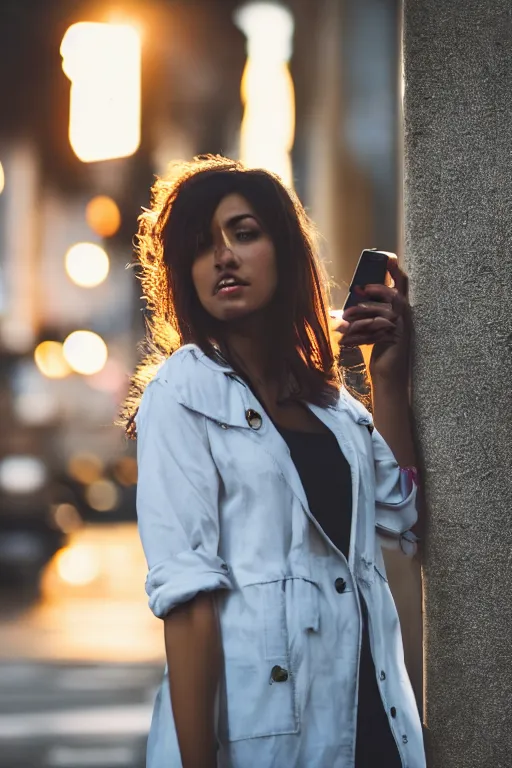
[{"x": 245, "y": 235}]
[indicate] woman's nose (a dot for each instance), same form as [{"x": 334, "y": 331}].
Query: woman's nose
[{"x": 223, "y": 255}]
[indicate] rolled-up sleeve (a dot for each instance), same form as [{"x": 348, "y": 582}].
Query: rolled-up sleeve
[
  {"x": 395, "y": 493},
  {"x": 177, "y": 501}
]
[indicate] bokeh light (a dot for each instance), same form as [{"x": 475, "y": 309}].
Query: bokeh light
[
  {"x": 87, "y": 264},
  {"x": 2, "y": 178},
  {"x": 103, "y": 496},
  {"x": 36, "y": 408},
  {"x": 49, "y": 358},
  {"x": 66, "y": 517},
  {"x": 17, "y": 335},
  {"x": 85, "y": 467},
  {"x": 103, "y": 216},
  {"x": 103, "y": 62},
  {"x": 125, "y": 471},
  {"x": 85, "y": 352},
  {"x": 77, "y": 565},
  {"x": 21, "y": 474}
]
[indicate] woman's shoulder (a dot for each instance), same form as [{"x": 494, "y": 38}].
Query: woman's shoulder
[{"x": 180, "y": 366}]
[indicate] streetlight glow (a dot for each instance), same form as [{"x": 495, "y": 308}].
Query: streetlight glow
[
  {"x": 267, "y": 91},
  {"x": 103, "y": 63}
]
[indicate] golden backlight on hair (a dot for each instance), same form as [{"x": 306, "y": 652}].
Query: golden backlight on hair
[{"x": 165, "y": 248}]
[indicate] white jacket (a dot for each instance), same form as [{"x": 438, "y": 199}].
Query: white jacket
[{"x": 221, "y": 507}]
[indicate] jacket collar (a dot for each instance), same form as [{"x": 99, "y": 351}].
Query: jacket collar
[{"x": 223, "y": 403}]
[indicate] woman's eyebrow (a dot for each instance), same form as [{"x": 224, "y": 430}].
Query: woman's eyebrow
[{"x": 234, "y": 220}]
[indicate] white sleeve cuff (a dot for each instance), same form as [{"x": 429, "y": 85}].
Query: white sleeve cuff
[{"x": 178, "y": 580}]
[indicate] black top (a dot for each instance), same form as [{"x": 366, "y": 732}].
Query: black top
[{"x": 325, "y": 475}]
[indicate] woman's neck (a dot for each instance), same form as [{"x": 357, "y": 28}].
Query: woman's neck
[{"x": 250, "y": 348}]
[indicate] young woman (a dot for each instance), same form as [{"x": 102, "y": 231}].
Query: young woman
[{"x": 264, "y": 486}]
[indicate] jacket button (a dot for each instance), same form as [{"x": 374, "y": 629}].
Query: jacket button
[
  {"x": 392, "y": 711},
  {"x": 382, "y": 675},
  {"x": 340, "y": 585},
  {"x": 404, "y": 739},
  {"x": 254, "y": 419},
  {"x": 278, "y": 674}
]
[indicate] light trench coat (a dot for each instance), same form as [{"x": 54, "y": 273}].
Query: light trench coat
[{"x": 221, "y": 507}]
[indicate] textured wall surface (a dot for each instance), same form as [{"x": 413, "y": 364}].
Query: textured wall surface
[{"x": 458, "y": 222}]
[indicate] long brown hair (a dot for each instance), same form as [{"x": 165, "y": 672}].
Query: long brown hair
[{"x": 169, "y": 236}]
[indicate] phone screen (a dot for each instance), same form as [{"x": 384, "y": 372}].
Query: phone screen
[{"x": 371, "y": 268}]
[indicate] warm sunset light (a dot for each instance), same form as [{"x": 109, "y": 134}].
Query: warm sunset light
[
  {"x": 103, "y": 62},
  {"x": 86, "y": 352},
  {"x": 77, "y": 565}
]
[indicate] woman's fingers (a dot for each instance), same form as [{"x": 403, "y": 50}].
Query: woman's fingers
[
  {"x": 400, "y": 278},
  {"x": 366, "y": 331},
  {"x": 383, "y": 295},
  {"x": 371, "y": 309},
  {"x": 375, "y": 318},
  {"x": 367, "y": 339}
]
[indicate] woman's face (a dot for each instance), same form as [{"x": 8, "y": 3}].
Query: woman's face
[{"x": 236, "y": 273}]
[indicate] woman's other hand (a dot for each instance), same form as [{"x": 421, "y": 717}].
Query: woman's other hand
[{"x": 382, "y": 320}]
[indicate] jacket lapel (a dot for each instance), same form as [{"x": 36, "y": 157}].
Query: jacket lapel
[{"x": 231, "y": 403}]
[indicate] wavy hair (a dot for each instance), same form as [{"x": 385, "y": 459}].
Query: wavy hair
[{"x": 168, "y": 239}]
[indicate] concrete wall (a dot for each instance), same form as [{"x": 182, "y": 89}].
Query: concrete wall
[{"x": 458, "y": 243}]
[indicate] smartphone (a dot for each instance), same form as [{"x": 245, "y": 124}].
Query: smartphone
[{"x": 371, "y": 268}]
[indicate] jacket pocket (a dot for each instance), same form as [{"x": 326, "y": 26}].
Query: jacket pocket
[{"x": 259, "y": 692}]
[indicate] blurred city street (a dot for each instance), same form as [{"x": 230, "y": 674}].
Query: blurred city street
[
  {"x": 99, "y": 98},
  {"x": 78, "y": 670}
]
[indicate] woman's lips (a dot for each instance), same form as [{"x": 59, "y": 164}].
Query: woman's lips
[{"x": 230, "y": 290}]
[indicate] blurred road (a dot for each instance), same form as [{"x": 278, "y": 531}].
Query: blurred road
[{"x": 79, "y": 670}]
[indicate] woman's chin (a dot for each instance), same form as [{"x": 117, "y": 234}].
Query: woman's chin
[{"x": 231, "y": 312}]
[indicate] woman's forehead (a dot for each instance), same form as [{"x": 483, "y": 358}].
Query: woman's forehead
[{"x": 232, "y": 206}]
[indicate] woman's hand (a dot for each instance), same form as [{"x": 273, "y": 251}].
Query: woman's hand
[{"x": 382, "y": 319}]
